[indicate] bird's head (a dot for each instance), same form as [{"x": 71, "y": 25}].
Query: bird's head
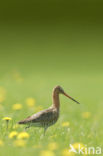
[{"x": 59, "y": 90}]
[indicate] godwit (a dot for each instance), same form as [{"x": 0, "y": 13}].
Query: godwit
[{"x": 48, "y": 116}]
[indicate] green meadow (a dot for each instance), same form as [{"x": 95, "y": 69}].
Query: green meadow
[
  {"x": 35, "y": 56},
  {"x": 27, "y": 73}
]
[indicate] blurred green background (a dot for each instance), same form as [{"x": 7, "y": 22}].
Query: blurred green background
[
  {"x": 55, "y": 41},
  {"x": 52, "y": 35},
  {"x": 50, "y": 43}
]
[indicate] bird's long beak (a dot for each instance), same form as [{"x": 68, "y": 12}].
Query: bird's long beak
[{"x": 71, "y": 98}]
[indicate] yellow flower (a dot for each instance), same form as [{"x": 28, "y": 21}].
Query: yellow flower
[
  {"x": 17, "y": 106},
  {"x": 23, "y": 135},
  {"x": 65, "y": 124},
  {"x": 20, "y": 143},
  {"x": 47, "y": 153},
  {"x": 52, "y": 146},
  {"x": 79, "y": 145},
  {"x": 76, "y": 145},
  {"x": 1, "y": 143},
  {"x": 30, "y": 102},
  {"x": 13, "y": 134},
  {"x": 66, "y": 152},
  {"x": 7, "y": 118},
  {"x": 86, "y": 115}
]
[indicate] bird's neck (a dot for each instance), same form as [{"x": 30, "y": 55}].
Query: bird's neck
[{"x": 56, "y": 101}]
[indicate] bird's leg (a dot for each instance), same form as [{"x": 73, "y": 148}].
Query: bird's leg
[{"x": 45, "y": 128}]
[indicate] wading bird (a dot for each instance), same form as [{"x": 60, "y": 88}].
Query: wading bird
[{"x": 48, "y": 116}]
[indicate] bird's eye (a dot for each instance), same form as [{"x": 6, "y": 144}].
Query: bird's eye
[{"x": 61, "y": 90}]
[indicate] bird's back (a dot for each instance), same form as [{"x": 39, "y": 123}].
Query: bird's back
[{"x": 43, "y": 118}]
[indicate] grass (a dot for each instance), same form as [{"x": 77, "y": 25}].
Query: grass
[
  {"x": 33, "y": 61},
  {"x": 87, "y": 131}
]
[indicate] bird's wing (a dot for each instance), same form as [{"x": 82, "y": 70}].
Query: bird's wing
[{"x": 41, "y": 116}]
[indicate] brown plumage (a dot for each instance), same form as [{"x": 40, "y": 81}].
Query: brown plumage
[{"x": 48, "y": 116}]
